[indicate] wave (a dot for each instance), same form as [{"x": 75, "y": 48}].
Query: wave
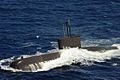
[{"x": 68, "y": 57}]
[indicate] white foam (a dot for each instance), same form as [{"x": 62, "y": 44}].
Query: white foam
[
  {"x": 6, "y": 67},
  {"x": 116, "y": 45},
  {"x": 37, "y": 36},
  {"x": 72, "y": 55},
  {"x": 54, "y": 44},
  {"x": 114, "y": 64}
]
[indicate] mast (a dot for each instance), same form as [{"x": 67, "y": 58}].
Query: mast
[{"x": 67, "y": 29}]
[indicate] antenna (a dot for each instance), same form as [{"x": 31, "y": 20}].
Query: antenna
[
  {"x": 67, "y": 29},
  {"x": 64, "y": 30}
]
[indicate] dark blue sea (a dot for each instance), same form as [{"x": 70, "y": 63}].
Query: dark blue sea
[{"x": 28, "y": 27}]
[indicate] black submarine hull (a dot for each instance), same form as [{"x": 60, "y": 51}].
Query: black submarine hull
[
  {"x": 99, "y": 49},
  {"x": 34, "y": 62}
]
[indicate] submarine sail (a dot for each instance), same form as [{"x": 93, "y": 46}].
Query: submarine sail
[{"x": 68, "y": 40}]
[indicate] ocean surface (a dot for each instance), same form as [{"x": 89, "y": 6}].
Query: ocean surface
[{"x": 30, "y": 27}]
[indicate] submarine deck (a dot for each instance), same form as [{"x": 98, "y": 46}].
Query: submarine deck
[
  {"x": 99, "y": 48},
  {"x": 30, "y": 63},
  {"x": 27, "y": 64}
]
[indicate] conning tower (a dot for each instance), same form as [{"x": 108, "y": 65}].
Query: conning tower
[{"x": 68, "y": 40}]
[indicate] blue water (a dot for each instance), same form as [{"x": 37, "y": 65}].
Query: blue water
[{"x": 96, "y": 21}]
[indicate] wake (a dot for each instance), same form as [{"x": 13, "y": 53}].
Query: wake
[{"x": 68, "y": 57}]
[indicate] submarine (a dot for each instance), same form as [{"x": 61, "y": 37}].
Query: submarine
[{"x": 67, "y": 41}]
